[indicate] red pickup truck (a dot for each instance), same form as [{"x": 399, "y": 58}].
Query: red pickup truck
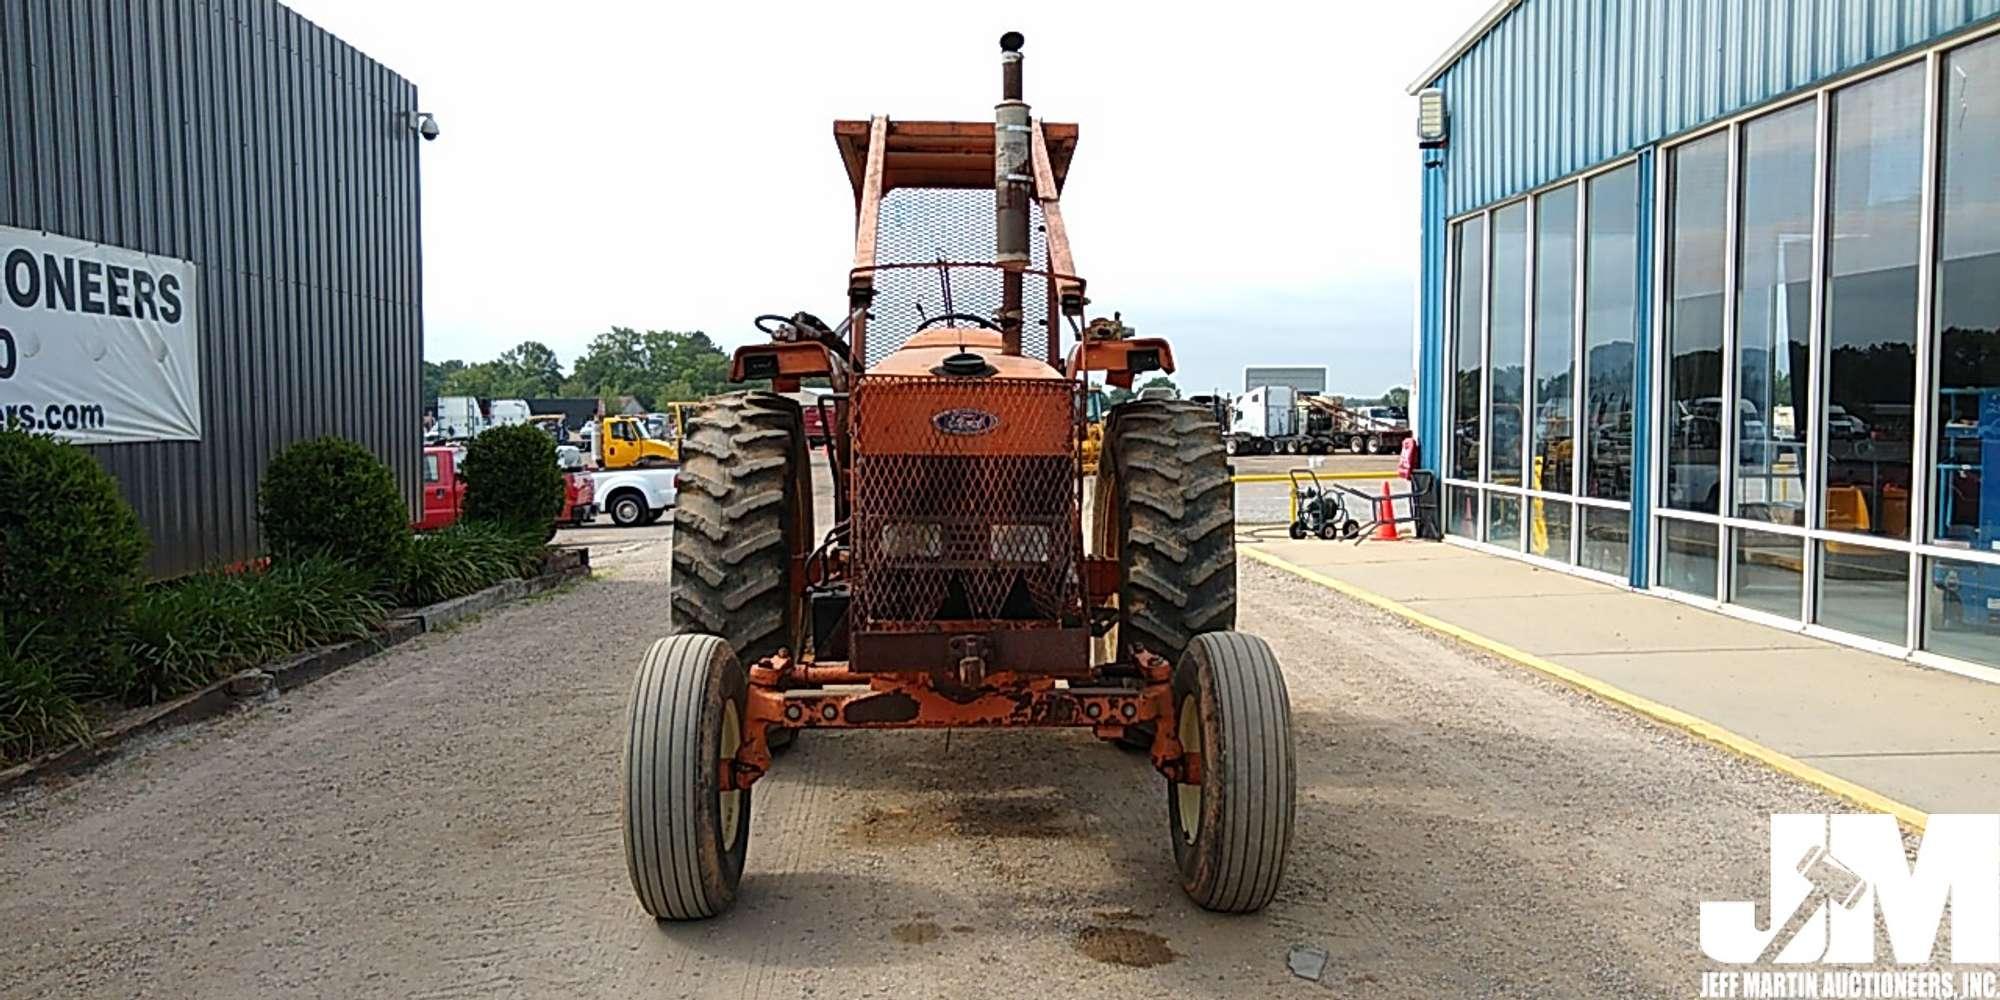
[{"x": 444, "y": 492}]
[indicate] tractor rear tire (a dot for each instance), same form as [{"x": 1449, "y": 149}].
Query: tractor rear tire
[
  {"x": 744, "y": 510},
  {"x": 1169, "y": 517},
  {"x": 1232, "y": 829},
  {"x": 685, "y": 836}
]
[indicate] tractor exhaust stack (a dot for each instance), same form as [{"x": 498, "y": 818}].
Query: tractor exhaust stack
[{"x": 1013, "y": 185}]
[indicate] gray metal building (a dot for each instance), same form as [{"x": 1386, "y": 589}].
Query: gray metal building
[
  {"x": 239, "y": 136},
  {"x": 1304, "y": 378}
]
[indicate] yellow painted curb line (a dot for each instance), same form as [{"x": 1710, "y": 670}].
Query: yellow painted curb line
[
  {"x": 1729, "y": 740},
  {"x": 1279, "y": 477}
]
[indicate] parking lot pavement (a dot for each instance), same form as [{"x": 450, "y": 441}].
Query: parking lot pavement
[
  {"x": 443, "y": 821},
  {"x": 610, "y": 544},
  {"x": 1249, "y": 465}
]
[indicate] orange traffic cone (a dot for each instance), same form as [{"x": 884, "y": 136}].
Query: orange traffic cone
[{"x": 1385, "y": 517}]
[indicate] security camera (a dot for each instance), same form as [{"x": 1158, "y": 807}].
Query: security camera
[{"x": 425, "y": 124}]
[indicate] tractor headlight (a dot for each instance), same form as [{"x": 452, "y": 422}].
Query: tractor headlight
[
  {"x": 913, "y": 541},
  {"x": 1019, "y": 543}
]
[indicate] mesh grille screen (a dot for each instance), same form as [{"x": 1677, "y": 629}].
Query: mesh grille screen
[
  {"x": 920, "y": 225},
  {"x": 974, "y": 527}
]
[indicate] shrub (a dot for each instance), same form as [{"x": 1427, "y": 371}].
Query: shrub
[
  {"x": 197, "y": 630},
  {"x": 72, "y": 555},
  {"x": 511, "y": 479},
  {"x": 461, "y": 559},
  {"x": 332, "y": 497},
  {"x": 36, "y": 712}
]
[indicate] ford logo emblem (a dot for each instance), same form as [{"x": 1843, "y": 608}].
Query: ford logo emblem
[{"x": 965, "y": 422}]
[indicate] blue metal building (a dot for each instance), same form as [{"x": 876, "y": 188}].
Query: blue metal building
[{"x": 1634, "y": 210}]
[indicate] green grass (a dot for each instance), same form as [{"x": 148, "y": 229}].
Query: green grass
[
  {"x": 183, "y": 634},
  {"x": 38, "y": 712},
  {"x": 191, "y": 632},
  {"x": 462, "y": 559}
]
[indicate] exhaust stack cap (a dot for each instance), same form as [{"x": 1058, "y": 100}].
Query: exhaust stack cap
[{"x": 1012, "y": 41}]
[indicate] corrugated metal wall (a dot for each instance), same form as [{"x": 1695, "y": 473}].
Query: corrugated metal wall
[
  {"x": 1560, "y": 85},
  {"x": 238, "y": 135}
]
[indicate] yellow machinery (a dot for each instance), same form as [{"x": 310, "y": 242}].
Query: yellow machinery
[
  {"x": 666, "y": 424},
  {"x": 625, "y": 442},
  {"x": 1095, "y": 405}
]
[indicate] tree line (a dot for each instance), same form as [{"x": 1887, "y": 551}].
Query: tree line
[{"x": 653, "y": 366}]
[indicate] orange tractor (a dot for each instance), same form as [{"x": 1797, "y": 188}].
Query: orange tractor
[{"x": 955, "y": 587}]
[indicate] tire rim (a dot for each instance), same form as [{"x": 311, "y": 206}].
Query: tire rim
[
  {"x": 628, "y": 511},
  {"x": 1187, "y": 797},
  {"x": 730, "y": 800}
]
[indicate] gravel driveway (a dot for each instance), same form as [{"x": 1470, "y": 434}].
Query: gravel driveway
[{"x": 442, "y": 821}]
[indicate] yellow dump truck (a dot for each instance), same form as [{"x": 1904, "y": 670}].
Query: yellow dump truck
[{"x": 626, "y": 442}]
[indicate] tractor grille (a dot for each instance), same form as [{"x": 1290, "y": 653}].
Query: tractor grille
[
  {"x": 923, "y": 225},
  {"x": 957, "y": 526}
]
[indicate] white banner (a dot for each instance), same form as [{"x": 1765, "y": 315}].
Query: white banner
[{"x": 98, "y": 344}]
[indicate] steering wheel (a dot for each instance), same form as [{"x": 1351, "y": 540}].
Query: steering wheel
[
  {"x": 767, "y": 322},
  {"x": 975, "y": 320}
]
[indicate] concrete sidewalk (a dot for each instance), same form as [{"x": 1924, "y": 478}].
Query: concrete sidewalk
[{"x": 1926, "y": 738}]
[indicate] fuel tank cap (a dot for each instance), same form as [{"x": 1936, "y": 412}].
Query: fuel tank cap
[{"x": 964, "y": 364}]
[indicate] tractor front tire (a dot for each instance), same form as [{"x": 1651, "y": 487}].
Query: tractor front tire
[
  {"x": 1232, "y": 828},
  {"x": 685, "y": 836},
  {"x": 744, "y": 510}
]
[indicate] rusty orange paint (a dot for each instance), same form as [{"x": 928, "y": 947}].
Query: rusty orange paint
[
  {"x": 797, "y": 359},
  {"x": 925, "y": 351},
  {"x": 925, "y": 415},
  {"x": 1112, "y": 358},
  {"x": 1102, "y": 575}
]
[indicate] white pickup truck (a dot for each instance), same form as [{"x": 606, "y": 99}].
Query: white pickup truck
[{"x": 635, "y": 496}]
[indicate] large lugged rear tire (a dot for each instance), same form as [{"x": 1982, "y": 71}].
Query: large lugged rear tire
[
  {"x": 1231, "y": 831},
  {"x": 1169, "y": 517},
  {"x": 744, "y": 509},
  {"x": 685, "y": 837}
]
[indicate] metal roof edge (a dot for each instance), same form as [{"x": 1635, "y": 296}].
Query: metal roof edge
[{"x": 1465, "y": 42}]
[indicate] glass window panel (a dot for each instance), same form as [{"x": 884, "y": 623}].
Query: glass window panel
[
  {"x": 1507, "y": 342},
  {"x": 1550, "y": 447},
  {"x": 1697, "y": 244},
  {"x": 1687, "y": 557},
  {"x": 1966, "y": 507},
  {"x": 1871, "y": 303},
  {"x": 1864, "y": 591},
  {"x": 1610, "y": 326},
  {"x": 1963, "y": 616},
  {"x": 1548, "y": 528},
  {"x": 1461, "y": 513},
  {"x": 1773, "y": 315},
  {"x": 1607, "y": 540},
  {"x": 1769, "y": 572},
  {"x": 1469, "y": 279},
  {"x": 1503, "y": 520}
]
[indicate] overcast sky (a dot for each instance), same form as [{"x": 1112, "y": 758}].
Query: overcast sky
[{"x": 1245, "y": 183}]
